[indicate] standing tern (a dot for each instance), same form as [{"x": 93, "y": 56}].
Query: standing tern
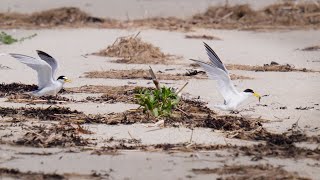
[
  {"x": 217, "y": 71},
  {"x": 46, "y": 68}
]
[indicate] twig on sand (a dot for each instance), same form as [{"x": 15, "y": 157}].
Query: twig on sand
[
  {"x": 191, "y": 136},
  {"x": 157, "y": 124},
  {"x": 32, "y": 101},
  {"x": 182, "y": 88},
  {"x": 154, "y": 78},
  {"x": 130, "y": 135},
  {"x": 137, "y": 34},
  {"x": 182, "y": 111}
]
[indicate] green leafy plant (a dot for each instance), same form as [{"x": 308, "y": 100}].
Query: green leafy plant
[
  {"x": 8, "y": 39},
  {"x": 158, "y": 102}
]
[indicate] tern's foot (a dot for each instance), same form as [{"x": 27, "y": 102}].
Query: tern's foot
[{"x": 234, "y": 112}]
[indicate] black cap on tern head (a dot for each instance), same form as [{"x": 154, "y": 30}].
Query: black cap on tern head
[
  {"x": 62, "y": 77},
  {"x": 248, "y": 91}
]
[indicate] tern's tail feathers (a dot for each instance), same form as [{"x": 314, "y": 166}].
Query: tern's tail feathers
[
  {"x": 33, "y": 93},
  {"x": 224, "y": 107}
]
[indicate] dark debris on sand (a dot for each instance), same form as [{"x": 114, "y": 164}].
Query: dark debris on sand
[
  {"x": 277, "y": 145},
  {"x": 204, "y": 36},
  {"x": 144, "y": 74},
  {"x": 273, "y": 66},
  {"x": 17, "y": 174},
  {"x": 54, "y": 135},
  {"x": 111, "y": 94},
  {"x": 26, "y": 98},
  {"x": 311, "y": 48},
  {"x": 65, "y": 16},
  {"x": 244, "y": 17},
  {"x": 243, "y": 172},
  {"x": 261, "y": 151},
  {"x": 189, "y": 113},
  {"x": 43, "y": 114},
  {"x": 16, "y": 88},
  {"x": 18, "y": 92},
  {"x": 286, "y": 15},
  {"x": 132, "y": 49}
]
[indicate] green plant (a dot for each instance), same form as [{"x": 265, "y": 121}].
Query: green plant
[
  {"x": 158, "y": 102},
  {"x": 8, "y": 39}
]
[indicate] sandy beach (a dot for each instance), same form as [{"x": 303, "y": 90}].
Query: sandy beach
[{"x": 177, "y": 151}]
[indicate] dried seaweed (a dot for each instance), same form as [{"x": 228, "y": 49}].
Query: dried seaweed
[
  {"x": 65, "y": 16},
  {"x": 144, "y": 74},
  {"x": 301, "y": 15},
  {"x": 243, "y": 172},
  {"x": 14, "y": 88},
  {"x": 16, "y": 174},
  {"x": 44, "y": 114},
  {"x": 311, "y": 48},
  {"x": 133, "y": 49},
  {"x": 54, "y": 135},
  {"x": 273, "y": 66},
  {"x": 207, "y": 37}
]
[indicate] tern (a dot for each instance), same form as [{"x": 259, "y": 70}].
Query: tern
[
  {"x": 217, "y": 71},
  {"x": 46, "y": 68}
]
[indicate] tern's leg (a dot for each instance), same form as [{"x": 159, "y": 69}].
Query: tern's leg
[{"x": 234, "y": 112}]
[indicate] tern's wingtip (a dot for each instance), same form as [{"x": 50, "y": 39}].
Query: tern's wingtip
[{"x": 39, "y": 52}]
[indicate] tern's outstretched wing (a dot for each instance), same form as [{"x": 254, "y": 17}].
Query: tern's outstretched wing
[
  {"x": 225, "y": 85},
  {"x": 214, "y": 58},
  {"x": 50, "y": 60},
  {"x": 43, "y": 69}
]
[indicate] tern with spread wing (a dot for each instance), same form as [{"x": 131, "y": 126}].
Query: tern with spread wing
[
  {"x": 46, "y": 68},
  {"x": 217, "y": 71}
]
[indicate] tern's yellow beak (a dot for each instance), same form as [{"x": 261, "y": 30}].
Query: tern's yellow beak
[
  {"x": 67, "y": 80},
  {"x": 257, "y": 95}
]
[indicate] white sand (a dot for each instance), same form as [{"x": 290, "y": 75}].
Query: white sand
[{"x": 289, "y": 89}]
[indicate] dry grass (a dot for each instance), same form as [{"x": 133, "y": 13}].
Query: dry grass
[
  {"x": 287, "y": 15},
  {"x": 65, "y": 16},
  {"x": 243, "y": 172},
  {"x": 8, "y": 173},
  {"x": 311, "y": 48},
  {"x": 132, "y": 74},
  {"x": 132, "y": 49},
  {"x": 282, "y": 15},
  {"x": 111, "y": 94},
  {"x": 207, "y": 37},
  {"x": 169, "y": 23},
  {"x": 15, "y": 88},
  {"x": 144, "y": 74},
  {"x": 273, "y": 66}
]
